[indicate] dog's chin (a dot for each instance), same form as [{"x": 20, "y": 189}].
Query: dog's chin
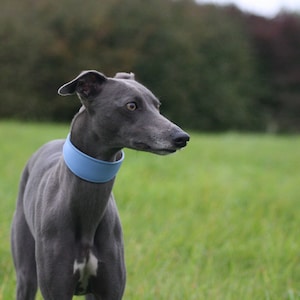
[
  {"x": 163, "y": 151},
  {"x": 148, "y": 148}
]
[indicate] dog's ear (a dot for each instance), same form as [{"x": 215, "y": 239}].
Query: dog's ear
[
  {"x": 86, "y": 84},
  {"x": 123, "y": 75}
]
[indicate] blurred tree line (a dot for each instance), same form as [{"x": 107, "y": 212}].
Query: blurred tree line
[{"x": 214, "y": 68}]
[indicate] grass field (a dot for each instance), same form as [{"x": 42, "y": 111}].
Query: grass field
[{"x": 218, "y": 220}]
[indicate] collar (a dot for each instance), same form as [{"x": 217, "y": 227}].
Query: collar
[{"x": 87, "y": 167}]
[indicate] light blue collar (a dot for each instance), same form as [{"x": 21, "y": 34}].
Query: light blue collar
[{"x": 89, "y": 168}]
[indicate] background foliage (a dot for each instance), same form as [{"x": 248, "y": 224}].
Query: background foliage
[{"x": 214, "y": 68}]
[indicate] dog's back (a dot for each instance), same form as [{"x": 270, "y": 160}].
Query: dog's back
[{"x": 37, "y": 170}]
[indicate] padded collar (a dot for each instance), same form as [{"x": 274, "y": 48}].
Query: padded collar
[{"x": 89, "y": 168}]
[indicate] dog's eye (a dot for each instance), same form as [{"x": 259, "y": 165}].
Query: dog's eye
[{"x": 131, "y": 106}]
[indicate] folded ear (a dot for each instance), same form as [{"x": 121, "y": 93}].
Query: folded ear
[
  {"x": 86, "y": 84},
  {"x": 123, "y": 75}
]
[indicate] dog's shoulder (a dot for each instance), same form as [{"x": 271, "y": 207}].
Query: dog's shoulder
[{"x": 47, "y": 155}]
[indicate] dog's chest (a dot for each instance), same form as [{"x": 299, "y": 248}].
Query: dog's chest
[{"x": 85, "y": 268}]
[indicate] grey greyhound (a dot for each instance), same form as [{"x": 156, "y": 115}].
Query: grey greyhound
[{"x": 66, "y": 234}]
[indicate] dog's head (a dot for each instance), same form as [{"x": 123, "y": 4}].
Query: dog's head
[{"x": 123, "y": 113}]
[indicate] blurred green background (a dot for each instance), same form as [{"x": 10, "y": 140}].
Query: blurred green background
[{"x": 218, "y": 220}]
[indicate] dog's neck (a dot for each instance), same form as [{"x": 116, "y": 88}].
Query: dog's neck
[
  {"x": 86, "y": 156},
  {"x": 85, "y": 140}
]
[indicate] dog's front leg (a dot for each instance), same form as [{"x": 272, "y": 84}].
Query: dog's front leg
[{"x": 55, "y": 258}]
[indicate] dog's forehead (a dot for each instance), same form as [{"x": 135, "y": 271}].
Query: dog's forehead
[{"x": 134, "y": 87}]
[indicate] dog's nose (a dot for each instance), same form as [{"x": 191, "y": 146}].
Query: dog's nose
[{"x": 180, "y": 139}]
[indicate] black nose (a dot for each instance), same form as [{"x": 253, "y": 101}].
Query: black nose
[{"x": 180, "y": 139}]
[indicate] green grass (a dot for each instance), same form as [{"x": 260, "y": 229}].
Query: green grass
[{"x": 218, "y": 220}]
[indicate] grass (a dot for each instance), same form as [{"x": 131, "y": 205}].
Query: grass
[{"x": 218, "y": 220}]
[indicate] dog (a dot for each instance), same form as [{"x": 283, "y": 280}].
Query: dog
[{"x": 66, "y": 235}]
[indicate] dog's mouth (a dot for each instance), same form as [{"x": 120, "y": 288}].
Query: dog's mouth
[{"x": 148, "y": 148}]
